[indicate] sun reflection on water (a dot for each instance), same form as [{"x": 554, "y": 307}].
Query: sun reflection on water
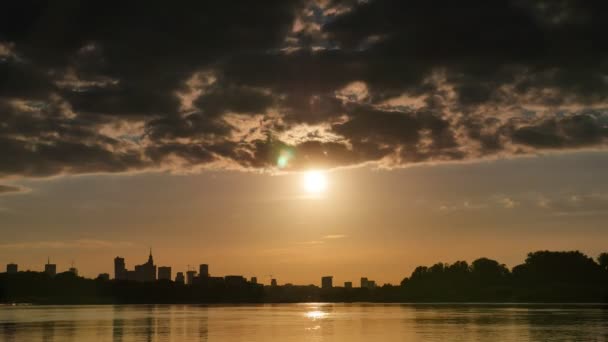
[{"x": 316, "y": 314}]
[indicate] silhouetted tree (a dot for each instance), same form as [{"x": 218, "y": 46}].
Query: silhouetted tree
[
  {"x": 602, "y": 259},
  {"x": 488, "y": 271}
]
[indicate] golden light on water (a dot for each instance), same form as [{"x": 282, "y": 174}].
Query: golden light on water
[
  {"x": 315, "y": 182},
  {"x": 316, "y": 314}
]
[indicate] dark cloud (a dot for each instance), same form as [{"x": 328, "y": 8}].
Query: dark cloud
[
  {"x": 8, "y": 189},
  {"x": 118, "y": 86},
  {"x": 573, "y": 131}
]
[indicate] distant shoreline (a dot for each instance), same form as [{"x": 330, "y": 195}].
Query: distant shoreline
[{"x": 545, "y": 277}]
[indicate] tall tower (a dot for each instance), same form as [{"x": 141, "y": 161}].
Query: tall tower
[
  {"x": 179, "y": 278},
  {"x": 190, "y": 277},
  {"x": 50, "y": 269},
  {"x": 120, "y": 271},
  {"x": 203, "y": 270}
]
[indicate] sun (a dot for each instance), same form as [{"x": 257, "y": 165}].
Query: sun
[{"x": 315, "y": 182}]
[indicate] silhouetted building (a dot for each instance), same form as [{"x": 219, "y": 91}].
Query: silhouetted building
[
  {"x": 146, "y": 272},
  {"x": 50, "y": 269},
  {"x": 367, "y": 284},
  {"x": 348, "y": 284},
  {"x": 190, "y": 277},
  {"x": 235, "y": 280},
  {"x": 164, "y": 273},
  {"x": 120, "y": 271},
  {"x": 12, "y": 268},
  {"x": 73, "y": 270},
  {"x": 203, "y": 270},
  {"x": 327, "y": 282},
  {"x": 273, "y": 282},
  {"x": 131, "y": 275},
  {"x": 103, "y": 277},
  {"x": 215, "y": 281},
  {"x": 254, "y": 280},
  {"x": 179, "y": 278}
]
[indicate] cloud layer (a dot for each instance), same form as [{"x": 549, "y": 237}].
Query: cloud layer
[{"x": 116, "y": 87}]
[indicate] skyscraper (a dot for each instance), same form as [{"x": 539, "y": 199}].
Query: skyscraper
[
  {"x": 120, "y": 271},
  {"x": 254, "y": 280},
  {"x": 364, "y": 283},
  {"x": 190, "y": 277},
  {"x": 50, "y": 269},
  {"x": 164, "y": 273},
  {"x": 12, "y": 268},
  {"x": 179, "y": 278},
  {"x": 203, "y": 270},
  {"x": 273, "y": 282},
  {"x": 327, "y": 282},
  {"x": 146, "y": 272}
]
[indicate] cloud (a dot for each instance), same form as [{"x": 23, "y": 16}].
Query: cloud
[
  {"x": 323, "y": 240},
  {"x": 334, "y": 83},
  {"x": 567, "y": 204},
  {"x": 11, "y": 189},
  {"x": 334, "y": 236},
  {"x": 507, "y": 202}
]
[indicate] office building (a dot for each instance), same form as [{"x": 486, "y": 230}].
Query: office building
[
  {"x": 273, "y": 282},
  {"x": 120, "y": 270},
  {"x": 50, "y": 269},
  {"x": 235, "y": 280},
  {"x": 179, "y": 278},
  {"x": 190, "y": 277},
  {"x": 103, "y": 277},
  {"x": 327, "y": 282},
  {"x": 348, "y": 285},
  {"x": 203, "y": 270},
  {"x": 254, "y": 280},
  {"x": 12, "y": 268},
  {"x": 367, "y": 284},
  {"x": 164, "y": 273}
]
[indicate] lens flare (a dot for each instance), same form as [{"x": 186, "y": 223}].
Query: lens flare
[{"x": 284, "y": 158}]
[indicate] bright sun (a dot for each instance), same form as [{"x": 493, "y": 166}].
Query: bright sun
[{"x": 315, "y": 182}]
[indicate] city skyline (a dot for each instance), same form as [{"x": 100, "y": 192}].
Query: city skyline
[
  {"x": 302, "y": 137},
  {"x": 142, "y": 273}
]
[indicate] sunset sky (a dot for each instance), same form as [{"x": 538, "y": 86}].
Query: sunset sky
[{"x": 438, "y": 132}]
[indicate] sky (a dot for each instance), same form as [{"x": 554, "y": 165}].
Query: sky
[{"x": 445, "y": 131}]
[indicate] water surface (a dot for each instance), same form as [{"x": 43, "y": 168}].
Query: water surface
[{"x": 305, "y": 322}]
